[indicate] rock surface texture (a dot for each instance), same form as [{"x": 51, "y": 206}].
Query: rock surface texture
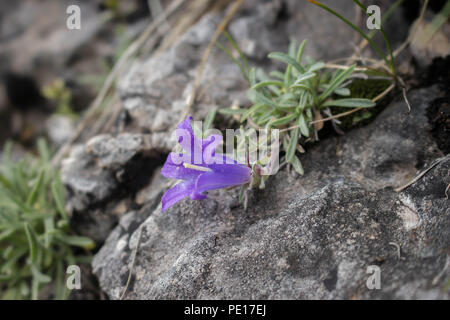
[{"x": 309, "y": 237}]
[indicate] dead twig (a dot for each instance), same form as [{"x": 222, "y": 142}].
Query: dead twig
[
  {"x": 133, "y": 261},
  {"x": 420, "y": 175}
]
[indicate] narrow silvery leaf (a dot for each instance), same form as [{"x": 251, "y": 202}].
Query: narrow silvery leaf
[
  {"x": 336, "y": 82},
  {"x": 36, "y": 188},
  {"x": 32, "y": 242},
  {"x": 300, "y": 51},
  {"x": 39, "y": 276},
  {"x": 231, "y": 112},
  {"x": 264, "y": 100},
  {"x": 303, "y": 78},
  {"x": 286, "y": 59},
  {"x": 292, "y": 48},
  {"x": 350, "y": 103},
  {"x": 290, "y": 152},
  {"x": 303, "y": 100},
  {"x": 316, "y": 66},
  {"x": 277, "y": 74},
  {"x": 297, "y": 165},
  {"x": 342, "y": 91},
  {"x": 283, "y": 120},
  {"x": 303, "y": 125},
  {"x": 77, "y": 241},
  {"x": 59, "y": 197},
  {"x": 250, "y": 111}
]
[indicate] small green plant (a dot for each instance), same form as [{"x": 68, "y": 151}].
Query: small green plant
[
  {"x": 58, "y": 92},
  {"x": 296, "y": 100},
  {"x": 36, "y": 244}
]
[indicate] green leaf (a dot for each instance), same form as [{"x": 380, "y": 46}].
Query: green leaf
[
  {"x": 34, "y": 289},
  {"x": 303, "y": 125},
  {"x": 265, "y": 117},
  {"x": 250, "y": 111},
  {"x": 5, "y": 234},
  {"x": 5, "y": 182},
  {"x": 266, "y": 101},
  {"x": 7, "y": 153},
  {"x": 286, "y": 59},
  {"x": 290, "y": 152},
  {"x": 303, "y": 100},
  {"x": 49, "y": 225},
  {"x": 336, "y": 82},
  {"x": 350, "y": 103},
  {"x": 32, "y": 242},
  {"x": 283, "y": 120},
  {"x": 277, "y": 74},
  {"x": 303, "y": 78},
  {"x": 342, "y": 92},
  {"x": 39, "y": 276},
  {"x": 287, "y": 73},
  {"x": 297, "y": 165},
  {"x": 44, "y": 151},
  {"x": 36, "y": 188},
  {"x": 58, "y": 197},
  {"x": 300, "y": 51},
  {"x": 77, "y": 241},
  {"x": 316, "y": 66},
  {"x": 231, "y": 112},
  {"x": 267, "y": 83}
]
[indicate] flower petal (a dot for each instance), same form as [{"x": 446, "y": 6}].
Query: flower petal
[
  {"x": 223, "y": 176},
  {"x": 176, "y": 193},
  {"x": 174, "y": 168},
  {"x": 186, "y": 138}
]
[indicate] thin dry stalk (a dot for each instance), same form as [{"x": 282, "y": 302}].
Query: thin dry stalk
[
  {"x": 223, "y": 24},
  {"x": 129, "y": 52}
]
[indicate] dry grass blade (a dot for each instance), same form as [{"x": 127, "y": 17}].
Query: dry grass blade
[
  {"x": 129, "y": 52},
  {"x": 223, "y": 24},
  {"x": 133, "y": 261}
]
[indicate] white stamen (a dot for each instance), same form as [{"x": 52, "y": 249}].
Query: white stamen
[{"x": 195, "y": 167}]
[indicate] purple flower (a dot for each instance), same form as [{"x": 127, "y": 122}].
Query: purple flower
[{"x": 199, "y": 168}]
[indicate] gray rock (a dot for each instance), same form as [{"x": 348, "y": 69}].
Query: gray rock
[
  {"x": 35, "y": 35},
  {"x": 103, "y": 176},
  {"x": 155, "y": 90},
  {"x": 309, "y": 237},
  {"x": 59, "y": 129}
]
